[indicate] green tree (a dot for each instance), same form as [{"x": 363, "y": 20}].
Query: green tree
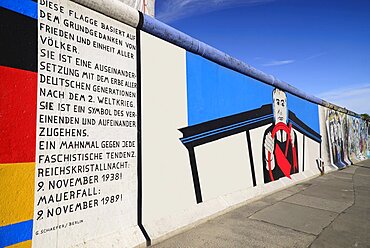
[{"x": 365, "y": 116}]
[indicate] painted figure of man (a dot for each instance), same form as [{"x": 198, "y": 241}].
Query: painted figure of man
[{"x": 280, "y": 152}]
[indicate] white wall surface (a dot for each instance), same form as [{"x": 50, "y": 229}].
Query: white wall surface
[{"x": 167, "y": 181}]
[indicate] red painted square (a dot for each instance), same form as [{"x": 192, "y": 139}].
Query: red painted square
[{"x": 18, "y": 100}]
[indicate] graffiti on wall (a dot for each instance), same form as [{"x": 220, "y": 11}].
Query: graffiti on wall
[
  {"x": 354, "y": 139},
  {"x": 347, "y": 138},
  {"x": 363, "y": 139},
  {"x": 368, "y": 139},
  {"x": 336, "y": 124}
]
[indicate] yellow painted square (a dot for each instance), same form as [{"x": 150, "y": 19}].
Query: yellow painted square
[{"x": 16, "y": 192}]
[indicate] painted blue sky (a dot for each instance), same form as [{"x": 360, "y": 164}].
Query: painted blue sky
[{"x": 319, "y": 46}]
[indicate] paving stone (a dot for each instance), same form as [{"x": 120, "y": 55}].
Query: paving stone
[
  {"x": 349, "y": 170},
  {"x": 361, "y": 180},
  {"x": 362, "y": 198},
  {"x": 332, "y": 180},
  {"x": 342, "y": 174},
  {"x": 350, "y": 229},
  {"x": 299, "y": 187},
  {"x": 301, "y": 218},
  {"x": 246, "y": 233},
  {"x": 320, "y": 203},
  {"x": 245, "y": 211},
  {"x": 331, "y": 192},
  {"x": 278, "y": 196}
]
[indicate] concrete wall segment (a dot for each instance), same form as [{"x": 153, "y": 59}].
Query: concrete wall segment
[
  {"x": 205, "y": 132},
  {"x": 176, "y": 37},
  {"x": 114, "y": 9},
  {"x": 144, "y": 6},
  {"x": 122, "y": 12},
  {"x": 88, "y": 78},
  {"x": 164, "y": 110}
]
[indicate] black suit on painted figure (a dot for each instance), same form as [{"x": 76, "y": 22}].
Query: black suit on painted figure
[{"x": 279, "y": 151}]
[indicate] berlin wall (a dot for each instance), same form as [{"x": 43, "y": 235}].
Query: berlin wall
[{"x": 119, "y": 131}]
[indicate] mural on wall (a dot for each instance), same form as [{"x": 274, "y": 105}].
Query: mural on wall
[
  {"x": 347, "y": 138},
  {"x": 210, "y": 131},
  {"x": 285, "y": 137},
  {"x": 71, "y": 157},
  {"x": 353, "y": 138},
  {"x": 336, "y": 124},
  {"x": 280, "y": 153},
  {"x": 363, "y": 139},
  {"x": 87, "y": 134},
  {"x": 18, "y": 94},
  {"x": 357, "y": 139},
  {"x": 368, "y": 139},
  {"x": 68, "y": 169}
]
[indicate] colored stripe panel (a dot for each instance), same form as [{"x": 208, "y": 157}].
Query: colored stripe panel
[
  {"x": 16, "y": 233},
  {"x": 18, "y": 44},
  {"x": 17, "y": 190},
  {"x": 18, "y": 94},
  {"x": 24, "y": 244},
  {"x": 224, "y": 129},
  {"x": 24, "y": 7}
]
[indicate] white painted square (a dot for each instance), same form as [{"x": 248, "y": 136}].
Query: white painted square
[{"x": 224, "y": 166}]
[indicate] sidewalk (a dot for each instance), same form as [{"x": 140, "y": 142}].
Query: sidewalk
[{"x": 327, "y": 211}]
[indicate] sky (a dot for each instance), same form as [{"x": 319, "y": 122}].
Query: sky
[{"x": 319, "y": 46}]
